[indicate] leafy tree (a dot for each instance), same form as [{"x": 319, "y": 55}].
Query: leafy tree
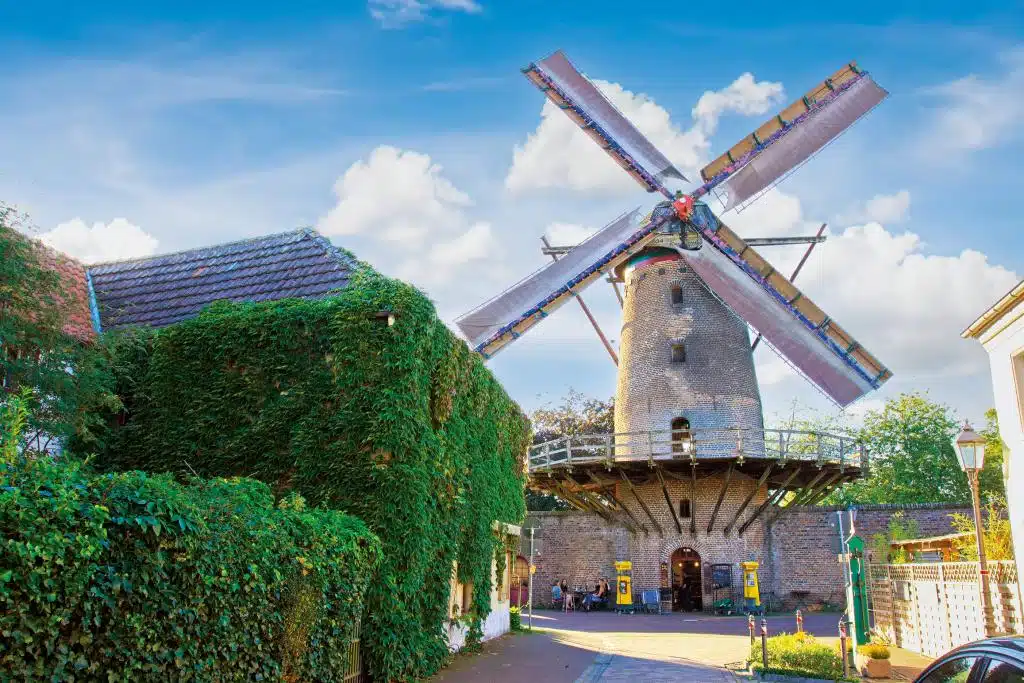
[
  {"x": 576, "y": 415},
  {"x": 899, "y": 529},
  {"x": 910, "y": 441},
  {"x": 991, "y": 485},
  {"x": 67, "y": 381},
  {"x": 996, "y": 533}
]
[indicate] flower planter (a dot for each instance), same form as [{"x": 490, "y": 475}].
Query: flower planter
[{"x": 873, "y": 668}]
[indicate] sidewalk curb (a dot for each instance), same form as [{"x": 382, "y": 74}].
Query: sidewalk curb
[{"x": 595, "y": 671}]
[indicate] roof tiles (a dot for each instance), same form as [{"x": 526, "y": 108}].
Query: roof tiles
[{"x": 162, "y": 290}]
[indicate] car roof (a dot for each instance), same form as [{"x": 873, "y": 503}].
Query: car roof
[{"x": 1011, "y": 647}]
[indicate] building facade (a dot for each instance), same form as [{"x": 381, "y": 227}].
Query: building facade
[{"x": 1001, "y": 331}]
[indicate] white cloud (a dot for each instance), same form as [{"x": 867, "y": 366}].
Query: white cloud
[
  {"x": 399, "y": 211},
  {"x": 979, "y": 113},
  {"x": 568, "y": 234},
  {"x": 473, "y": 245},
  {"x": 111, "y": 241},
  {"x": 888, "y": 208},
  {"x": 398, "y": 13},
  {"x": 559, "y": 154},
  {"x": 401, "y": 196},
  {"x": 882, "y": 208}
]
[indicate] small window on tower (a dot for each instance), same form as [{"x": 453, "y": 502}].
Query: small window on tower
[
  {"x": 684, "y": 508},
  {"x": 677, "y": 294},
  {"x": 678, "y": 353}
]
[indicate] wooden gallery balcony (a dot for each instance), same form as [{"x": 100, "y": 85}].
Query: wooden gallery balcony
[{"x": 593, "y": 472}]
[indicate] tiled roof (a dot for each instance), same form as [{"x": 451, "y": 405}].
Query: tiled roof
[
  {"x": 162, "y": 290},
  {"x": 74, "y": 294}
]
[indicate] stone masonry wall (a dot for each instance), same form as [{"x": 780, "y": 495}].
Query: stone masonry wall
[
  {"x": 796, "y": 551},
  {"x": 714, "y": 387}
]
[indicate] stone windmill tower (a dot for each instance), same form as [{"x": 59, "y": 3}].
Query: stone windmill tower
[{"x": 688, "y": 422}]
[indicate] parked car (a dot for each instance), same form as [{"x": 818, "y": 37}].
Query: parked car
[{"x": 996, "y": 660}]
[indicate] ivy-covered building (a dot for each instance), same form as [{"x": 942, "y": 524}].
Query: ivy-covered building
[{"x": 286, "y": 359}]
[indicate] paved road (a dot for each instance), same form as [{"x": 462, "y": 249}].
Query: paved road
[{"x": 606, "y": 647}]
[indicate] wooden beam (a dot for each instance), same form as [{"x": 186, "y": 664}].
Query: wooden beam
[
  {"x": 642, "y": 503},
  {"x": 746, "y": 502},
  {"x": 590, "y": 316},
  {"x": 668, "y": 501},
  {"x": 796, "y": 271},
  {"x": 768, "y": 501},
  {"x": 813, "y": 488},
  {"x": 721, "y": 497},
  {"x": 618, "y": 294},
  {"x": 611, "y": 494},
  {"x": 807, "y": 489}
]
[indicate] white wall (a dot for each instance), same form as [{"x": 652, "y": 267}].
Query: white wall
[
  {"x": 1004, "y": 341},
  {"x": 497, "y": 621}
]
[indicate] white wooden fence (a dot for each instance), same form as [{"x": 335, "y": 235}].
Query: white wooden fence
[{"x": 933, "y": 607}]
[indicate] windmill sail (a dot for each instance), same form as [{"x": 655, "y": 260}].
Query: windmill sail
[
  {"x": 573, "y": 93},
  {"x": 789, "y": 321},
  {"x": 522, "y": 306},
  {"x": 787, "y": 140}
]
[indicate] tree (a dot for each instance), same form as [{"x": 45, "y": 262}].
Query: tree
[
  {"x": 991, "y": 485},
  {"x": 67, "y": 383},
  {"x": 576, "y": 415},
  {"x": 995, "y": 532},
  {"x": 910, "y": 442}
]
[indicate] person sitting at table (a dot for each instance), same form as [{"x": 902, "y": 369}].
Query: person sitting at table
[
  {"x": 600, "y": 595},
  {"x": 556, "y": 592}
]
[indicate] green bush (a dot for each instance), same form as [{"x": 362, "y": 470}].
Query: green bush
[
  {"x": 134, "y": 577},
  {"x": 401, "y": 426},
  {"x": 799, "y": 654}
]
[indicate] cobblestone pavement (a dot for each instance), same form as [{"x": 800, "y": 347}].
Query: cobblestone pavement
[{"x": 607, "y": 647}]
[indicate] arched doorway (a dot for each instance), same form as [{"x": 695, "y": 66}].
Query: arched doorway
[
  {"x": 520, "y": 581},
  {"x": 687, "y": 584}
]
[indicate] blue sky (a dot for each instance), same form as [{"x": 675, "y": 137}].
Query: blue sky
[{"x": 392, "y": 126}]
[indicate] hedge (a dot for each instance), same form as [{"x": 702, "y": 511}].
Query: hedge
[
  {"x": 400, "y": 425},
  {"x": 134, "y": 577}
]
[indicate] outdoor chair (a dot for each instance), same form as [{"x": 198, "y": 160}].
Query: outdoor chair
[{"x": 650, "y": 601}]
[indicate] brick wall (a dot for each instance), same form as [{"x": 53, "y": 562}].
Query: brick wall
[
  {"x": 803, "y": 551},
  {"x": 796, "y": 551},
  {"x": 579, "y": 547}
]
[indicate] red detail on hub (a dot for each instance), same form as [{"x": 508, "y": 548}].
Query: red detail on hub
[{"x": 683, "y": 207}]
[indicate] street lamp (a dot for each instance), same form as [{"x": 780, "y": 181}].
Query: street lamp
[{"x": 970, "y": 450}]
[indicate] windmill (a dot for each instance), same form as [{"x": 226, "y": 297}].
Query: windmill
[{"x": 692, "y": 286}]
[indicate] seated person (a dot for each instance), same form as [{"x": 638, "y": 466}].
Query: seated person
[
  {"x": 599, "y": 596},
  {"x": 556, "y": 592}
]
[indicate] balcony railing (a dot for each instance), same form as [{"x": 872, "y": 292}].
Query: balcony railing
[{"x": 700, "y": 445}]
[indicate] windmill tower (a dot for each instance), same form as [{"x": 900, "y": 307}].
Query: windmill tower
[{"x": 688, "y": 422}]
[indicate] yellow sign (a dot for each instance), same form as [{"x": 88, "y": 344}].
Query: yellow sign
[
  {"x": 533, "y": 569},
  {"x": 624, "y": 565}
]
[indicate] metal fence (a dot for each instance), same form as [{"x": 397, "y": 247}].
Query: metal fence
[
  {"x": 354, "y": 670},
  {"x": 931, "y": 608}
]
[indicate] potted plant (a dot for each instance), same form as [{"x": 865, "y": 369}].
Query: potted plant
[{"x": 873, "y": 661}]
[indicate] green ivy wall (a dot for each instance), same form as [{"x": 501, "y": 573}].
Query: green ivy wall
[{"x": 401, "y": 426}]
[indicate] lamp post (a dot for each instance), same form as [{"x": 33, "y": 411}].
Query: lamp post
[{"x": 970, "y": 449}]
